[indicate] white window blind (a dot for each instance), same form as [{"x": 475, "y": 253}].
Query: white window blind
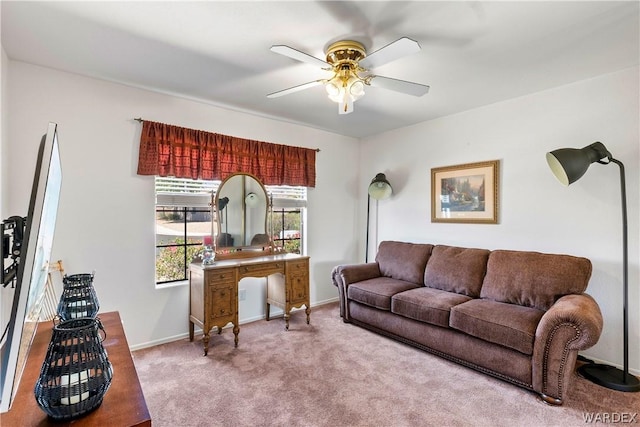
[
  {"x": 285, "y": 196},
  {"x": 184, "y": 192},
  {"x": 197, "y": 193}
]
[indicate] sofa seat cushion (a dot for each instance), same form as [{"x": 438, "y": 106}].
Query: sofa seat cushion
[
  {"x": 534, "y": 279},
  {"x": 454, "y": 269},
  {"x": 509, "y": 325},
  {"x": 426, "y": 305},
  {"x": 403, "y": 261},
  {"x": 377, "y": 292}
]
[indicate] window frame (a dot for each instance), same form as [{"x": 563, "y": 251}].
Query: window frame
[{"x": 188, "y": 195}]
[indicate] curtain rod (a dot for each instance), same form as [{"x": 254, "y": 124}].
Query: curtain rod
[{"x": 140, "y": 119}]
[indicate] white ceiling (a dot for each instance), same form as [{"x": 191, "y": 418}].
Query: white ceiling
[{"x": 473, "y": 53}]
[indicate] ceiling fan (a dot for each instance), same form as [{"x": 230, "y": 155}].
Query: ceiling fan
[{"x": 350, "y": 65}]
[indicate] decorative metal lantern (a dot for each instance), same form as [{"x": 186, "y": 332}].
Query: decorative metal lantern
[
  {"x": 76, "y": 372},
  {"x": 78, "y": 297}
]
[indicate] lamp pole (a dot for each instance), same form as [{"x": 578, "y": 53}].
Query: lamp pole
[
  {"x": 366, "y": 252},
  {"x": 625, "y": 272}
]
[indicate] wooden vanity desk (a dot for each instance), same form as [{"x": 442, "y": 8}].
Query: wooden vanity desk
[{"x": 213, "y": 290}]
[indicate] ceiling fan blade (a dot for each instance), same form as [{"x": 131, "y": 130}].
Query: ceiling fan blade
[
  {"x": 391, "y": 52},
  {"x": 299, "y": 56},
  {"x": 295, "y": 89},
  {"x": 403, "y": 86}
]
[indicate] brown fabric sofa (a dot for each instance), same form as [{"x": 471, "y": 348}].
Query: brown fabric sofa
[{"x": 519, "y": 316}]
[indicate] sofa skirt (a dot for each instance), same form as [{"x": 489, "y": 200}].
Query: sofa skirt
[{"x": 488, "y": 358}]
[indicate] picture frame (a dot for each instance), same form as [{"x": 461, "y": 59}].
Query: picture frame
[{"x": 466, "y": 193}]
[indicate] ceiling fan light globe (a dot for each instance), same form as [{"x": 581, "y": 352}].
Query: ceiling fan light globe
[
  {"x": 357, "y": 89},
  {"x": 338, "y": 97},
  {"x": 333, "y": 91}
]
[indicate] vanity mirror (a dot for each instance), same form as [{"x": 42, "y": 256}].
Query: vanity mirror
[{"x": 240, "y": 218}]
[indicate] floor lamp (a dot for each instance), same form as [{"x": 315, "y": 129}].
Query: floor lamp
[
  {"x": 379, "y": 189},
  {"x": 568, "y": 165},
  {"x": 222, "y": 205}
]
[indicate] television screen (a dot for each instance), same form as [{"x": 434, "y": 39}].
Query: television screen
[{"x": 33, "y": 265}]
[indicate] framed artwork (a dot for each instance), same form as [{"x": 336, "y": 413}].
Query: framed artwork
[{"x": 465, "y": 193}]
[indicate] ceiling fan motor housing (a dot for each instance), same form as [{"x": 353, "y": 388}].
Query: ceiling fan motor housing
[{"x": 345, "y": 52}]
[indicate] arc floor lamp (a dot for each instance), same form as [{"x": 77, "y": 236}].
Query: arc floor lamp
[
  {"x": 379, "y": 189},
  {"x": 568, "y": 165}
]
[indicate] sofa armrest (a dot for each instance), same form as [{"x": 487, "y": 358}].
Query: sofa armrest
[
  {"x": 573, "y": 323},
  {"x": 344, "y": 275}
]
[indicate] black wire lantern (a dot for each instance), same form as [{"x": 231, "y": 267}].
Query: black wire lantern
[
  {"x": 76, "y": 372},
  {"x": 78, "y": 297}
]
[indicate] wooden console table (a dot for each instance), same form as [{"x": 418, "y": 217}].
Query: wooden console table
[
  {"x": 213, "y": 290},
  {"x": 123, "y": 404}
]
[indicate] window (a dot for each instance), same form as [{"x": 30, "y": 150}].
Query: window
[
  {"x": 183, "y": 219},
  {"x": 183, "y": 222},
  {"x": 287, "y": 226},
  {"x": 287, "y": 218}
]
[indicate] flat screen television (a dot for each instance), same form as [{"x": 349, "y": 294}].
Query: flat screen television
[{"x": 33, "y": 265}]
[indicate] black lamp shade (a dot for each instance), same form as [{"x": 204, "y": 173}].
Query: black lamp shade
[
  {"x": 380, "y": 188},
  {"x": 222, "y": 203},
  {"x": 569, "y": 164}
]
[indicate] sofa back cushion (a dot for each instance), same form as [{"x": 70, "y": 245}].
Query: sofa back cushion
[
  {"x": 533, "y": 279},
  {"x": 403, "y": 261},
  {"x": 459, "y": 270}
]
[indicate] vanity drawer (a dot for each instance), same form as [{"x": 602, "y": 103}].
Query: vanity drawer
[
  {"x": 222, "y": 302},
  {"x": 261, "y": 270},
  {"x": 220, "y": 277},
  {"x": 298, "y": 288},
  {"x": 298, "y": 267}
]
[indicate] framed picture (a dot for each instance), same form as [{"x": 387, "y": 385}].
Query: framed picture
[{"x": 465, "y": 193}]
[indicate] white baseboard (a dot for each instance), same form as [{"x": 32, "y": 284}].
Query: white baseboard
[{"x": 275, "y": 314}]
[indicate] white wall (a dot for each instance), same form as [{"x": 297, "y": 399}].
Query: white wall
[
  {"x": 536, "y": 212},
  {"x": 106, "y": 215}
]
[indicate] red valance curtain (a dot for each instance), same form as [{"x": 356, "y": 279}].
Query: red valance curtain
[{"x": 167, "y": 150}]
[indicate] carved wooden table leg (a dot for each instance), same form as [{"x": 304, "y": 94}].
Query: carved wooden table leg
[
  {"x": 190, "y": 331},
  {"x": 236, "y": 331},
  {"x": 286, "y": 321},
  {"x": 308, "y": 311},
  {"x": 205, "y": 343}
]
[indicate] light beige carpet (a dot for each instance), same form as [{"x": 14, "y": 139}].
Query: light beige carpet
[{"x": 336, "y": 374}]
